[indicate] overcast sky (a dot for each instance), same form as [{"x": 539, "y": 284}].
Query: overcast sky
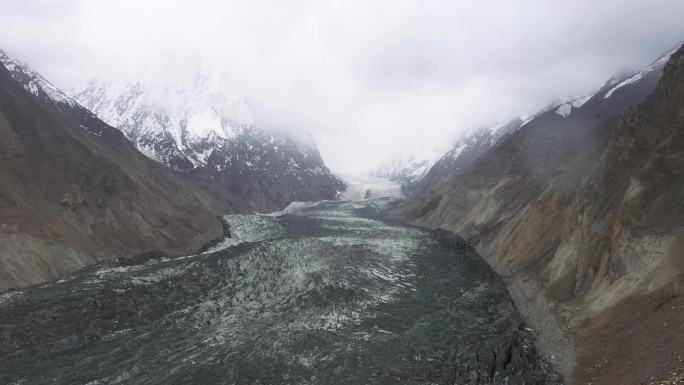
[{"x": 369, "y": 79}]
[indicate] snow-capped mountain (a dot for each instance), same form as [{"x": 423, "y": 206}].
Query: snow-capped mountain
[
  {"x": 614, "y": 97},
  {"x": 584, "y": 205},
  {"x": 178, "y": 127},
  {"x": 74, "y": 190},
  {"x": 46, "y": 92},
  {"x": 469, "y": 148},
  {"x": 196, "y": 128},
  {"x": 33, "y": 82},
  {"x": 405, "y": 169},
  {"x": 617, "y": 84}
]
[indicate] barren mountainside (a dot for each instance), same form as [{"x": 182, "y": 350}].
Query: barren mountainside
[
  {"x": 75, "y": 191},
  {"x": 580, "y": 210}
]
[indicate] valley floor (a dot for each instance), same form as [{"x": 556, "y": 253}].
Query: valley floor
[{"x": 320, "y": 293}]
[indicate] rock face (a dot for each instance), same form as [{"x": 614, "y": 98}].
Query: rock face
[
  {"x": 461, "y": 155},
  {"x": 195, "y": 128},
  {"x": 582, "y": 207},
  {"x": 73, "y": 190}
]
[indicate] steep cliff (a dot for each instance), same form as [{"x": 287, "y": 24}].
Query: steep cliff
[{"x": 581, "y": 211}]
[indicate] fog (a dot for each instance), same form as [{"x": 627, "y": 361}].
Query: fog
[{"x": 369, "y": 79}]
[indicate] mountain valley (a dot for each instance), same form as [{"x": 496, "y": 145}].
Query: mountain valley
[{"x": 166, "y": 230}]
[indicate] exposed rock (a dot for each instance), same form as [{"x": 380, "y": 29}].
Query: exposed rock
[
  {"x": 74, "y": 191},
  {"x": 584, "y": 201},
  {"x": 461, "y": 155},
  {"x": 199, "y": 130}
]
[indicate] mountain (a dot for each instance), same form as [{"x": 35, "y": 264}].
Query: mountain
[
  {"x": 419, "y": 174},
  {"x": 471, "y": 146},
  {"x": 75, "y": 191},
  {"x": 580, "y": 210},
  {"x": 464, "y": 152},
  {"x": 407, "y": 168},
  {"x": 195, "y": 128}
]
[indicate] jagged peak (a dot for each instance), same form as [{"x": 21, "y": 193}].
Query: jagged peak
[{"x": 194, "y": 110}]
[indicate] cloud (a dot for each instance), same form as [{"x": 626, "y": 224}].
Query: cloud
[{"x": 368, "y": 79}]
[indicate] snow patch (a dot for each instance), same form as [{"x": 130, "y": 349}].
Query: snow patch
[
  {"x": 564, "y": 110},
  {"x": 577, "y": 103},
  {"x": 32, "y": 81},
  {"x": 658, "y": 64}
]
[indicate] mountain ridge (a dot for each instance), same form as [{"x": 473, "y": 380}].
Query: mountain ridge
[
  {"x": 471, "y": 146},
  {"x": 74, "y": 191},
  {"x": 201, "y": 131},
  {"x": 577, "y": 211}
]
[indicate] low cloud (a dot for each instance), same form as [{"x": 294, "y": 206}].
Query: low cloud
[{"x": 369, "y": 79}]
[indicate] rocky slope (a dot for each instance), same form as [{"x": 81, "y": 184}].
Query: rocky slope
[
  {"x": 581, "y": 211},
  {"x": 406, "y": 169},
  {"x": 197, "y": 129},
  {"x": 73, "y": 190},
  {"x": 418, "y": 173},
  {"x": 472, "y": 146},
  {"x": 461, "y": 155}
]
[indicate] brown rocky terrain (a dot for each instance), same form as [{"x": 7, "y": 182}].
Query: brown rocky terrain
[
  {"x": 74, "y": 191},
  {"x": 583, "y": 217}
]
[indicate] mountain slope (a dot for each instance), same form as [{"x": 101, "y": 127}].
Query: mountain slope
[
  {"x": 580, "y": 211},
  {"x": 74, "y": 191},
  {"x": 463, "y": 153},
  {"x": 628, "y": 89},
  {"x": 407, "y": 168},
  {"x": 195, "y": 128}
]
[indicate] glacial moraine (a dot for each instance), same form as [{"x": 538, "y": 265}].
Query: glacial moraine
[{"x": 321, "y": 293}]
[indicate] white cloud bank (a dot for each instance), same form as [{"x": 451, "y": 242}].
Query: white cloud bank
[{"x": 367, "y": 78}]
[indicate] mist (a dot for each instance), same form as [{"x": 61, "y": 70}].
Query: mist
[{"x": 369, "y": 80}]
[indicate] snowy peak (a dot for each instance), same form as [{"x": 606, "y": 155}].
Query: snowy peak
[
  {"x": 470, "y": 146},
  {"x": 573, "y": 114},
  {"x": 176, "y": 126},
  {"x": 45, "y": 92},
  {"x": 196, "y": 127},
  {"x": 419, "y": 173},
  {"x": 655, "y": 67},
  {"x": 615, "y": 84},
  {"x": 33, "y": 82},
  {"x": 407, "y": 168},
  {"x": 464, "y": 152},
  {"x": 186, "y": 114}
]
